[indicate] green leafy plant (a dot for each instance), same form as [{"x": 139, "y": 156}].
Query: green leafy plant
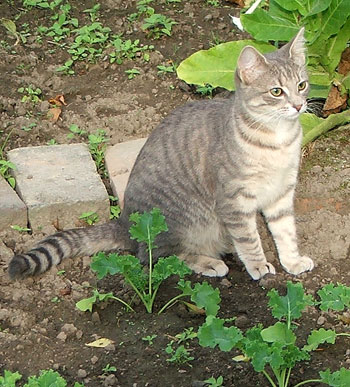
[
  {"x": 114, "y": 207},
  {"x": 142, "y": 9},
  {"x": 166, "y": 69},
  {"x": 93, "y": 12},
  {"x": 97, "y": 146},
  {"x": 46, "y": 378},
  {"x": 5, "y": 171},
  {"x": 158, "y": 25},
  {"x": 180, "y": 354},
  {"x": 273, "y": 350},
  {"x": 29, "y": 127},
  {"x": 149, "y": 339},
  {"x": 31, "y": 94},
  {"x": 206, "y": 90},
  {"x": 109, "y": 369},
  {"x": 67, "y": 67},
  {"x": 212, "y": 382},
  {"x": 89, "y": 217},
  {"x": 75, "y": 131},
  {"x": 128, "y": 49},
  {"x": 132, "y": 73},
  {"x": 145, "y": 228}
]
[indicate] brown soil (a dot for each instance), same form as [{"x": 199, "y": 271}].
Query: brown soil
[{"x": 34, "y": 314}]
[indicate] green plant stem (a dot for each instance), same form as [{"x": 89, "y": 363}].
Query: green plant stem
[
  {"x": 268, "y": 377},
  {"x": 172, "y": 301},
  {"x": 142, "y": 298},
  {"x": 150, "y": 265},
  {"x": 329, "y": 123},
  {"x": 124, "y": 303},
  {"x": 343, "y": 334},
  {"x": 308, "y": 381},
  {"x": 5, "y": 143},
  {"x": 288, "y": 376}
]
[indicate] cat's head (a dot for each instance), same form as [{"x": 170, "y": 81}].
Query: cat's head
[{"x": 274, "y": 85}]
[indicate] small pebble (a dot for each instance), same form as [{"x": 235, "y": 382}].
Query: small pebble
[
  {"x": 81, "y": 373},
  {"x": 94, "y": 359},
  {"x": 321, "y": 320},
  {"x": 62, "y": 336}
]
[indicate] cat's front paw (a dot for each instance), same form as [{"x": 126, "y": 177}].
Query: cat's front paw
[
  {"x": 298, "y": 266},
  {"x": 258, "y": 269}
]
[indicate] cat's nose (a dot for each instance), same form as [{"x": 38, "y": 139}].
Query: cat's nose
[{"x": 298, "y": 107}]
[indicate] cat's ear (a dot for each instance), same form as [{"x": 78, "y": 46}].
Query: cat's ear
[
  {"x": 296, "y": 48},
  {"x": 250, "y": 65}
]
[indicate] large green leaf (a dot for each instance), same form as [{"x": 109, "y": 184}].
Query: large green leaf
[
  {"x": 317, "y": 6},
  {"x": 264, "y": 27},
  {"x": 336, "y": 45},
  {"x": 339, "y": 378},
  {"x": 318, "y": 337},
  {"x": 217, "y": 65},
  {"x": 312, "y": 130},
  {"x": 278, "y": 333},
  {"x": 333, "y": 18}
]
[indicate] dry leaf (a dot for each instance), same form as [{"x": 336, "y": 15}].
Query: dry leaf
[
  {"x": 240, "y": 3},
  {"x": 194, "y": 309},
  {"x": 335, "y": 102},
  {"x": 239, "y": 358},
  {"x": 58, "y": 100},
  {"x": 344, "y": 64},
  {"x": 100, "y": 343},
  {"x": 54, "y": 113}
]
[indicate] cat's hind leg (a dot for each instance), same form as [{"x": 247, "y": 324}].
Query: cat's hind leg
[{"x": 205, "y": 265}]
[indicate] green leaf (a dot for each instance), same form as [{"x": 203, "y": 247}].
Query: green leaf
[
  {"x": 87, "y": 303},
  {"x": 166, "y": 267},
  {"x": 213, "y": 333},
  {"x": 318, "y": 6},
  {"x": 147, "y": 226},
  {"x": 205, "y": 296},
  {"x": 334, "y": 297},
  {"x": 335, "y": 47},
  {"x": 217, "y": 65},
  {"x": 128, "y": 265},
  {"x": 278, "y": 333},
  {"x": 318, "y": 337},
  {"x": 292, "y": 304},
  {"x": 333, "y": 18},
  {"x": 264, "y": 27},
  {"x": 48, "y": 378},
  {"x": 339, "y": 378},
  {"x": 9, "y": 379}
]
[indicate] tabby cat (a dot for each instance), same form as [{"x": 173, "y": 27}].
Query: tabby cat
[{"x": 210, "y": 166}]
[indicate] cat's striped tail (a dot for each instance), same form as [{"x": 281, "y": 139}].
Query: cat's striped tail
[{"x": 67, "y": 244}]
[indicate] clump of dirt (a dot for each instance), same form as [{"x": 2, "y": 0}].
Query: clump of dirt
[{"x": 40, "y": 326}]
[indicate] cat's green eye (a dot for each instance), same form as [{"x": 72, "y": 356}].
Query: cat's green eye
[
  {"x": 276, "y": 91},
  {"x": 302, "y": 86}
]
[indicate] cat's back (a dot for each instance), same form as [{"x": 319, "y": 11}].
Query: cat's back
[{"x": 174, "y": 164}]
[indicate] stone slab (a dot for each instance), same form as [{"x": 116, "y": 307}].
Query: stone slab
[
  {"x": 120, "y": 159},
  {"x": 12, "y": 210},
  {"x": 58, "y": 183}
]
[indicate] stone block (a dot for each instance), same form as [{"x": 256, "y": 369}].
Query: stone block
[
  {"x": 120, "y": 159},
  {"x": 58, "y": 183},
  {"x": 12, "y": 210}
]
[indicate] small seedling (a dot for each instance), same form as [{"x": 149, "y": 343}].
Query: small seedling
[
  {"x": 166, "y": 69},
  {"x": 29, "y": 127},
  {"x": 89, "y": 217},
  {"x": 128, "y": 49},
  {"x": 109, "y": 369},
  {"x": 206, "y": 90},
  {"x": 142, "y": 9},
  {"x": 20, "y": 229},
  {"x": 52, "y": 141},
  {"x": 61, "y": 272},
  {"x": 31, "y": 94},
  {"x": 97, "y": 147},
  {"x": 212, "y": 382},
  {"x": 75, "y": 131},
  {"x": 132, "y": 73},
  {"x": 5, "y": 171},
  {"x": 180, "y": 355},
  {"x": 114, "y": 207},
  {"x": 55, "y": 300},
  {"x": 67, "y": 67},
  {"x": 149, "y": 339},
  {"x": 93, "y": 12}
]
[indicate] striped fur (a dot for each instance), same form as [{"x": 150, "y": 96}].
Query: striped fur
[{"x": 210, "y": 166}]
